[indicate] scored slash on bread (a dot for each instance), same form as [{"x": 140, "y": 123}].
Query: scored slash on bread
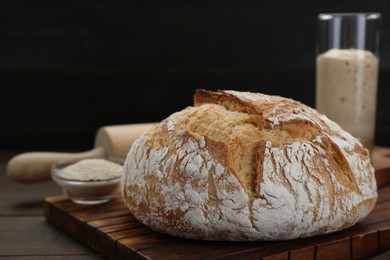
[{"x": 246, "y": 166}]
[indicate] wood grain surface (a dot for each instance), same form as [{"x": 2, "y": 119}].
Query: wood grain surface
[
  {"x": 24, "y": 233},
  {"x": 112, "y": 231}
]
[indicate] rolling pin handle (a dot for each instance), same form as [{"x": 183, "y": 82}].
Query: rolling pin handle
[{"x": 36, "y": 166}]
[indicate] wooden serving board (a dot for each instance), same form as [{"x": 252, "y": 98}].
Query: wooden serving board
[{"x": 112, "y": 231}]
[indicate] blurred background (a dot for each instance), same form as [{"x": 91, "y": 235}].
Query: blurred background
[{"x": 69, "y": 67}]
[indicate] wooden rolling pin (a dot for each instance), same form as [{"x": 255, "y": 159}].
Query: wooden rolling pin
[{"x": 109, "y": 141}]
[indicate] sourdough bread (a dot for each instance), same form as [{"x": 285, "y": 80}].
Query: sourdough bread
[{"x": 245, "y": 166}]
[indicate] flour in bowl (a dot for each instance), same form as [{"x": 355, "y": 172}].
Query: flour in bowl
[{"x": 91, "y": 170}]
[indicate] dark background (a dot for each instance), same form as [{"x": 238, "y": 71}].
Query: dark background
[{"x": 68, "y": 67}]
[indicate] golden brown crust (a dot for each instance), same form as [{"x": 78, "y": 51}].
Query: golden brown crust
[{"x": 248, "y": 166}]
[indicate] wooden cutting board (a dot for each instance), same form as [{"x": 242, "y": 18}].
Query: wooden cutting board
[{"x": 112, "y": 231}]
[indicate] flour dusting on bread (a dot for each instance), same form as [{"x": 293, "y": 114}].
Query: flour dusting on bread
[{"x": 246, "y": 166}]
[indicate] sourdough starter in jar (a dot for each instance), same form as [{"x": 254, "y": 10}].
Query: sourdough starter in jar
[{"x": 346, "y": 90}]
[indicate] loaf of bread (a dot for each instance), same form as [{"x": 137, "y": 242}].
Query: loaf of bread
[{"x": 246, "y": 166}]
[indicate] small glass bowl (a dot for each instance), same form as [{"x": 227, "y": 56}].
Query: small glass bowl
[{"x": 89, "y": 191}]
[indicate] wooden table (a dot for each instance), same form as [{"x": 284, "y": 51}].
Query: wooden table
[{"x": 24, "y": 232}]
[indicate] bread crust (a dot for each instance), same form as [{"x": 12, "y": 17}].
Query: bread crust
[{"x": 243, "y": 166}]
